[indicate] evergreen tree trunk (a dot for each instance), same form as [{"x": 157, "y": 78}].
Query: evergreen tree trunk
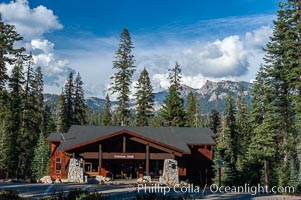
[{"x": 266, "y": 175}]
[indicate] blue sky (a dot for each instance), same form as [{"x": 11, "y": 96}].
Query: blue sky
[{"x": 211, "y": 40}]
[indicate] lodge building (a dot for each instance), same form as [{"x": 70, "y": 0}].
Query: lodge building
[{"x": 133, "y": 152}]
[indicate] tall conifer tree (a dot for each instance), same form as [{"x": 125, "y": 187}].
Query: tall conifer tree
[
  {"x": 14, "y": 137},
  {"x": 214, "y": 121},
  {"x": 244, "y": 136},
  {"x": 193, "y": 110},
  {"x": 80, "y": 107},
  {"x": 66, "y": 105},
  {"x": 276, "y": 128},
  {"x": 124, "y": 63},
  {"x": 227, "y": 147},
  {"x": 173, "y": 108},
  {"x": 145, "y": 99},
  {"x": 107, "y": 115},
  {"x": 8, "y": 55}
]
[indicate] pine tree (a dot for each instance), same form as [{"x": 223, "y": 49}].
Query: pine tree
[
  {"x": 66, "y": 106},
  {"x": 8, "y": 37},
  {"x": 38, "y": 98},
  {"x": 5, "y": 140},
  {"x": 41, "y": 155},
  {"x": 145, "y": 99},
  {"x": 8, "y": 56},
  {"x": 40, "y": 163},
  {"x": 175, "y": 76},
  {"x": 173, "y": 108},
  {"x": 80, "y": 107},
  {"x": 14, "y": 137},
  {"x": 263, "y": 146},
  {"x": 214, "y": 121},
  {"x": 95, "y": 117},
  {"x": 62, "y": 119},
  {"x": 244, "y": 137},
  {"x": 107, "y": 115},
  {"x": 31, "y": 117},
  {"x": 293, "y": 78},
  {"x": 124, "y": 63},
  {"x": 193, "y": 110},
  {"x": 47, "y": 124},
  {"x": 227, "y": 147},
  {"x": 72, "y": 107},
  {"x": 276, "y": 127}
]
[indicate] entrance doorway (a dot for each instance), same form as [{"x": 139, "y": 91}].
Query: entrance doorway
[{"x": 125, "y": 169}]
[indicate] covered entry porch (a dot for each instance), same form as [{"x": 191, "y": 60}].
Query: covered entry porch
[{"x": 125, "y": 156}]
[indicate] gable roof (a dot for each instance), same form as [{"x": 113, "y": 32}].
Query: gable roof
[{"x": 174, "y": 137}]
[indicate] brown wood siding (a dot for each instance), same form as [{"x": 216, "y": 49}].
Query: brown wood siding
[
  {"x": 55, "y": 153},
  {"x": 206, "y": 152}
]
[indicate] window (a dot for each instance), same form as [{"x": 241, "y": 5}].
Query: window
[{"x": 58, "y": 163}]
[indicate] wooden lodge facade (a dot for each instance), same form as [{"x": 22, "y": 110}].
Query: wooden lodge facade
[{"x": 132, "y": 152}]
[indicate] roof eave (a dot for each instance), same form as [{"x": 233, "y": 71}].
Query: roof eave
[{"x": 122, "y": 132}]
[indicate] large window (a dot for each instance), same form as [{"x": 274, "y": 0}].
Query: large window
[{"x": 58, "y": 165}]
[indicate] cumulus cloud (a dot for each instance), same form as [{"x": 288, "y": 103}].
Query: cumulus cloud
[
  {"x": 258, "y": 38},
  {"x": 202, "y": 56},
  {"x": 30, "y": 23},
  {"x": 220, "y": 58},
  {"x": 44, "y": 56},
  {"x": 232, "y": 57}
]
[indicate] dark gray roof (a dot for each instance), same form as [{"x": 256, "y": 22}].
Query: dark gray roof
[
  {"x": 177, "y": 137},
  {"x": 55, "y": 137}
]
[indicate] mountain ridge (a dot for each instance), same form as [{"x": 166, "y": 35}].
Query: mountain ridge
[{"x": 210, "y": 95}]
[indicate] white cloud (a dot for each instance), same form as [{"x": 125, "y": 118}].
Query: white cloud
[
  {"x": 220, "y": 58},
  {"x": 259, "y": 37},
  {"x": 201, "y": 54},
  {"x": 30, "y": 23},
  {"x": 233, "y": 57},
  {"x": 43, "y": 45}
]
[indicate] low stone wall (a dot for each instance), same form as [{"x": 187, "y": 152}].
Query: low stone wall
[{"x": 76, "y": 171}]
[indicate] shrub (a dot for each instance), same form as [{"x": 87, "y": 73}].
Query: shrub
[
  {"x": 9, "y": 194},
  {"x": 93, "y": 196}
]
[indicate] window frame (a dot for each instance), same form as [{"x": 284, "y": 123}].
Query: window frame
[{"x": 58, "y": 165}]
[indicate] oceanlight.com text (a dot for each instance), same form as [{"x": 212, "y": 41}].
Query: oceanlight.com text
[{"x": 214, "y": 188}]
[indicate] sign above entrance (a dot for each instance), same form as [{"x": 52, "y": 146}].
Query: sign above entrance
[{"x": 124, "y": 156}]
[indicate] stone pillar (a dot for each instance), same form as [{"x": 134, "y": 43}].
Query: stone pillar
[
  {"x": 76, "y": 171},
  {"x": 170, "y": 172}
]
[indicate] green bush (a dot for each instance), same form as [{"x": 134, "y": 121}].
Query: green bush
[
  {"x": 9, "y": 194},
  {"x": 76, "y": 194},
  {"x": 93, "y": 196}
]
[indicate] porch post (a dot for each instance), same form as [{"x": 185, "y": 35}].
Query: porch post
[
  {"x": 124, "y": 145},
  {"x": 99, "y": 159},
  {"x": 147, "y": 160}
]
